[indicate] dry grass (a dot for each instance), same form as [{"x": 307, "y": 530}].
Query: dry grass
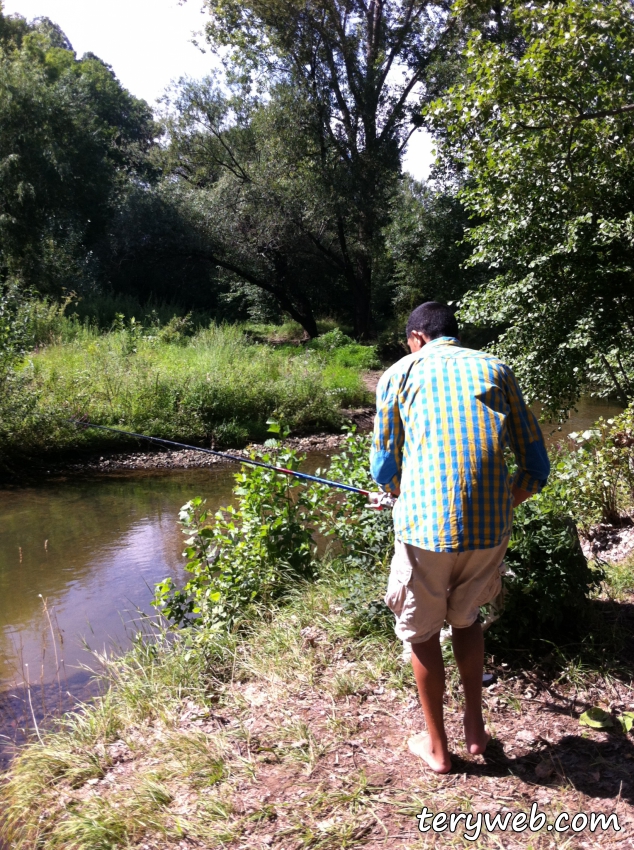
[{"x": 294, "y": 736}]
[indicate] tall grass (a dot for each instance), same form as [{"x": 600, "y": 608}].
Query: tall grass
[{"x": 171, "y": 381}]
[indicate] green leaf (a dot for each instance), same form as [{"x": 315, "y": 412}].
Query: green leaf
[
  {"x": 596, "y": 718},
  {"x": 627, "y": 721}
]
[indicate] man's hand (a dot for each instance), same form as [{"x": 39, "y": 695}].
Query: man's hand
[
  {"x": 519, "y": 495},
  {"x": 379, "y": 501}
]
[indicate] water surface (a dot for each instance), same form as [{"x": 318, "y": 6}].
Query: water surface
[{"x": 92, "y": 550}]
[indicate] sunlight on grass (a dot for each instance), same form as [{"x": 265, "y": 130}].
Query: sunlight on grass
[{"x": 216, "y": 385}]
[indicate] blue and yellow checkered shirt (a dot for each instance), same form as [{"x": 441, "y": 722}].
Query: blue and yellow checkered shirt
[{"x": 444, "y": 417}]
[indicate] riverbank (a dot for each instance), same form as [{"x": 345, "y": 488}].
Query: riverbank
[
  {"x": 215, "y": 385},
  {"x": 293, "y": 735},
  {"x": 35, "y": 470},
  {"x": 286, "y": 725}
]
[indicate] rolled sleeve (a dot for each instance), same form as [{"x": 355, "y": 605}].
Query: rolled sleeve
[
  {"x": 387, "y": 445},
  {"x": 526, "y": 440}
]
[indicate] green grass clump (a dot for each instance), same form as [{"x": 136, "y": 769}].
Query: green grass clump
[
  {"x": 66, "y": 792},
  {"x": 619, "y": 579},
  {"x": 213, "y": 384}
]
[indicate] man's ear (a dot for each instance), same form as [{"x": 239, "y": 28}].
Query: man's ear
[{"x": 416, "y": 341}]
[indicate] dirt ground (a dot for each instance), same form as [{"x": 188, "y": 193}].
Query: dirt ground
[{"x": 320, "y": 759}]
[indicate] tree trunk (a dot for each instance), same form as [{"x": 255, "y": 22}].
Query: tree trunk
[
  {"x": 362, "y": 289},
  {"x": 303, "y": 316}
]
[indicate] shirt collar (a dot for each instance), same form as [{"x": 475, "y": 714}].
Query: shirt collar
[{"x": 441, "y": 340}]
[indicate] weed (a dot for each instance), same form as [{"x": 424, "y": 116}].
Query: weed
[
  {"x": 198, "y": 757},
  {"x": 152, "y": 793},
  {"x": 346, "y": 683},
  {"x": 619, "y": 579},
  {"x": 165, "y": 381}
]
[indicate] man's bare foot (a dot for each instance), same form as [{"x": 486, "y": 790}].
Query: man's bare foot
[
  {"x": 477, "y": 737},
  {"x": 420, "y": 745}
]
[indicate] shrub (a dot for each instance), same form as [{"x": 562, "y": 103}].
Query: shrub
[
  {"x": 597, "y": 475},
  {"x": 365, "y": 537},
  {"x": 252, "y": 553},
  {"x": 13, "y": 325},
  {"x": 342, "y": 350},
  {"x": 335, "y": 338},
  {"x": 257, "y": 551},
  {"x": 547, "y": 588}
]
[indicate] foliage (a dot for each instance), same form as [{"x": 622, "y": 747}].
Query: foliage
[
  {"x": 304, "y": 156},
  {"x": 70, "y": 138},
  {"x": 253, "y": 553},
  {"x": 596, "y": 477},
  {"x": 549, "y": 580},
  {"x": 364, "y": 537},
  {"x": 426, "y": 247},
  {"x": 17, "y": 403},
  {"x": 331, "y": 340},
  {"x": 161, "y": 380},
  {"x": 13, "y": 327},
  {"x": 161, "y": 247},
  {"x": 541, "y": 132},
  {"x": 341, "y": 349},
  {"x": 256, "y": 551},
  {"x": 230, "y": 162}
]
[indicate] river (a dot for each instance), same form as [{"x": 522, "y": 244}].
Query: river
[{"x": 78, "y": 562}]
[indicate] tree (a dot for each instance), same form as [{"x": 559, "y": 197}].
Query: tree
[
  {"x": 543, "y": 137},
  {"x": 426, "y": 247},
  {"x": 70, "y": 139},
  {"x": 360, "y": 71},
  {"x": 231, "y": 167}
]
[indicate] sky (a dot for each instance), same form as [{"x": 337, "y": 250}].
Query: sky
[{"x": 148, "y": 43}]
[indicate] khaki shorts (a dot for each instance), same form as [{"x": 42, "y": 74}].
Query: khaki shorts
[{"x": 425, "y": 588}]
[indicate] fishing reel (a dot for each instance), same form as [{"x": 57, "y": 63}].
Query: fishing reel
[{"x": 381, "y": 501}]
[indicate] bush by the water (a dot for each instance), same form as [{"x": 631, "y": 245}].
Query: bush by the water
[
  {"x": 547, "y": 588},
  {"x": 258, "y": 550},
  {"x": 244, "y": 555},
  {"x": 595, "y": 472}
]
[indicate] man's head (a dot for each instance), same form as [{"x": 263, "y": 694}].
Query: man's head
[{"x": 430, "y": 321}]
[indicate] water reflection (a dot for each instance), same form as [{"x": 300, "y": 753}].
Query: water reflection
[
  {"x": 93, "y": 549},
  {"x": 587, "y": 412}
]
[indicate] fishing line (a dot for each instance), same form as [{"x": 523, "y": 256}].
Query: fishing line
[{"x": 235, "y": 458}]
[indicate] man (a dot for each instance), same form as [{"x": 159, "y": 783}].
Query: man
[{"x": 444, "y": 417}]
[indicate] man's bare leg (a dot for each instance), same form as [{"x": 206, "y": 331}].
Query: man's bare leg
[
  {"x": 429, "y": 672},
  {"x": 468, "y": 648}
]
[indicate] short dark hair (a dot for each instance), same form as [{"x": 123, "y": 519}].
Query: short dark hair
[{"x": 433, "y": 320}]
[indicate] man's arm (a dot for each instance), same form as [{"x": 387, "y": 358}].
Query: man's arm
[
  {"x": 387, "y": 446},
  {"x": 527, "y": 443}
]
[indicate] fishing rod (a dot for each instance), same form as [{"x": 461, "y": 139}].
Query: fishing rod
[{"x": 377, "y": 499}]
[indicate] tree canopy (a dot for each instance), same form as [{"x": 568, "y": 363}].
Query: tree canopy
[
  {"x": 276, "y": 186},
  {"x": 70, "y": 137},
  {"x": 541, "y": 134},
  {"x": 359, "y": 72}
]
